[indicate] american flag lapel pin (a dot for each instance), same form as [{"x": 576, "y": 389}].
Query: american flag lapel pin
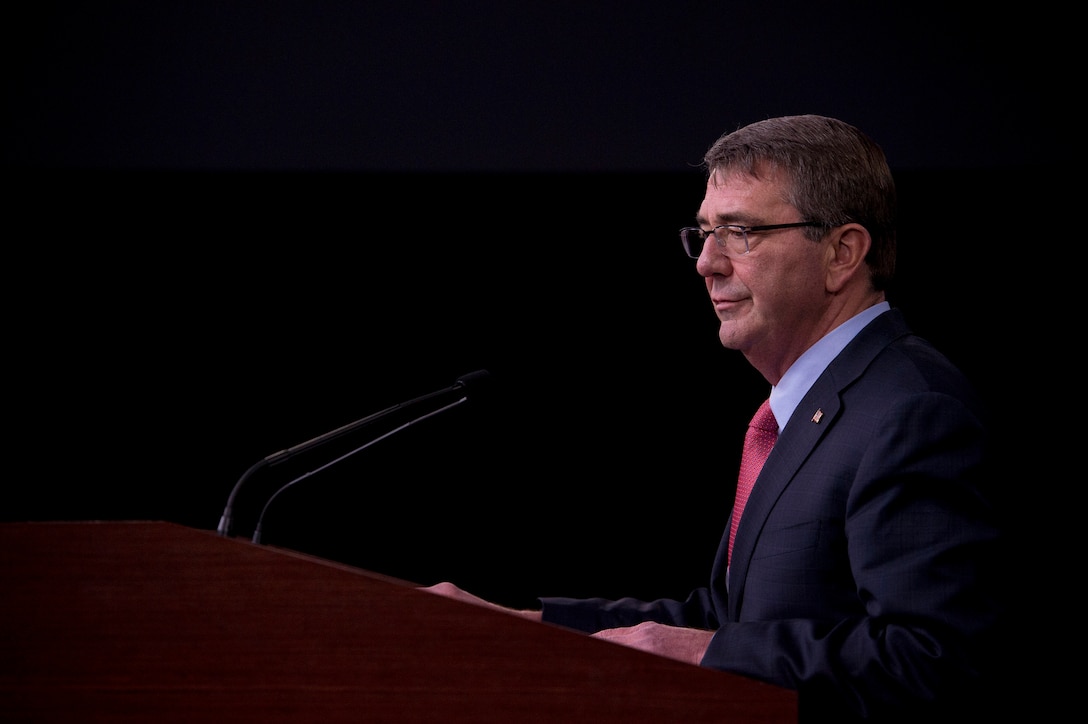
[{"x": 819, "y": 414}]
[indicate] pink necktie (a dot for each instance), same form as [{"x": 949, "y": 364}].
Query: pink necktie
[{"x": 758, "y": 441}]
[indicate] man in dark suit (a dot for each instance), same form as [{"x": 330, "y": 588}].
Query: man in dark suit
[{"x": 864, "y": 568}]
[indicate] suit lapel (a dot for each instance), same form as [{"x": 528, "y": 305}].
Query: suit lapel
[{"x": 815, "y": 415}]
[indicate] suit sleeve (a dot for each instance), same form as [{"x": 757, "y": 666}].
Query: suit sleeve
[{"x": 593, "y": 614}]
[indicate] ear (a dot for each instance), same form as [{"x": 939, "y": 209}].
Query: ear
[{"x": 849, "y": 244}]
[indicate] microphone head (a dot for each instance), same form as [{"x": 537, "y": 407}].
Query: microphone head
[{"x": 472, "y": 381}]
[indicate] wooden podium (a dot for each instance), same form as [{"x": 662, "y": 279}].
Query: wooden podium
[{"x": 157, "y": 622}]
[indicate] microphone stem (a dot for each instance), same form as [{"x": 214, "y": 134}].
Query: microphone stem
[{"x": 345, "y": 456}]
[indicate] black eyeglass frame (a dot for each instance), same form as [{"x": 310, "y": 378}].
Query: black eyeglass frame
[{"x": 735, "y": 229}]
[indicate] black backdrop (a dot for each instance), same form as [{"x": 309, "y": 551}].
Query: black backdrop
[{"x": 172, "y": 329}]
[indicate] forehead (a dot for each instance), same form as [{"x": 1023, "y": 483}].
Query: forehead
[{"x": 736, "y": 195}]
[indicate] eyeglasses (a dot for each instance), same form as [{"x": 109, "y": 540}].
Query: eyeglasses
[{"x": 732, "y": 238}]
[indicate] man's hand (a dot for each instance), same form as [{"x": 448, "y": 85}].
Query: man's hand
[
  {"x": 683, "y": 644},
  {"x": 449, "y": 590}
]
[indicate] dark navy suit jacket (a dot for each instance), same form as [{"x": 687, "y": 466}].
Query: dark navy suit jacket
[{"x": 865, "y": 566}]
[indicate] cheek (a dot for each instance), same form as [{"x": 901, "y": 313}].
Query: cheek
[
  {"x": 804, "y": 273},
  {"x": 782, "y": 290}
]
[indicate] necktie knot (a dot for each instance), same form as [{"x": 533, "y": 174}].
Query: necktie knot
[{"x": 764, "y": 419}]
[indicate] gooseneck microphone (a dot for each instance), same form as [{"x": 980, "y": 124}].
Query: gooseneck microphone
[
  {"x": 464, "y": 382},
  {"x": 345, "y": 456}
]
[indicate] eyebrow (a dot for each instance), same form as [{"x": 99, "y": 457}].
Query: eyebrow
[{"x": 723, "y": 219}]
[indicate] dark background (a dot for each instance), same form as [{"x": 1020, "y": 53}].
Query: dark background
[
  {"x": 235, "y": 226},
  {"x": 414, "y": 85}
]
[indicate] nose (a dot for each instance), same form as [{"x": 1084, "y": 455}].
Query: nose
[{"x": 712, "y": 261}]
